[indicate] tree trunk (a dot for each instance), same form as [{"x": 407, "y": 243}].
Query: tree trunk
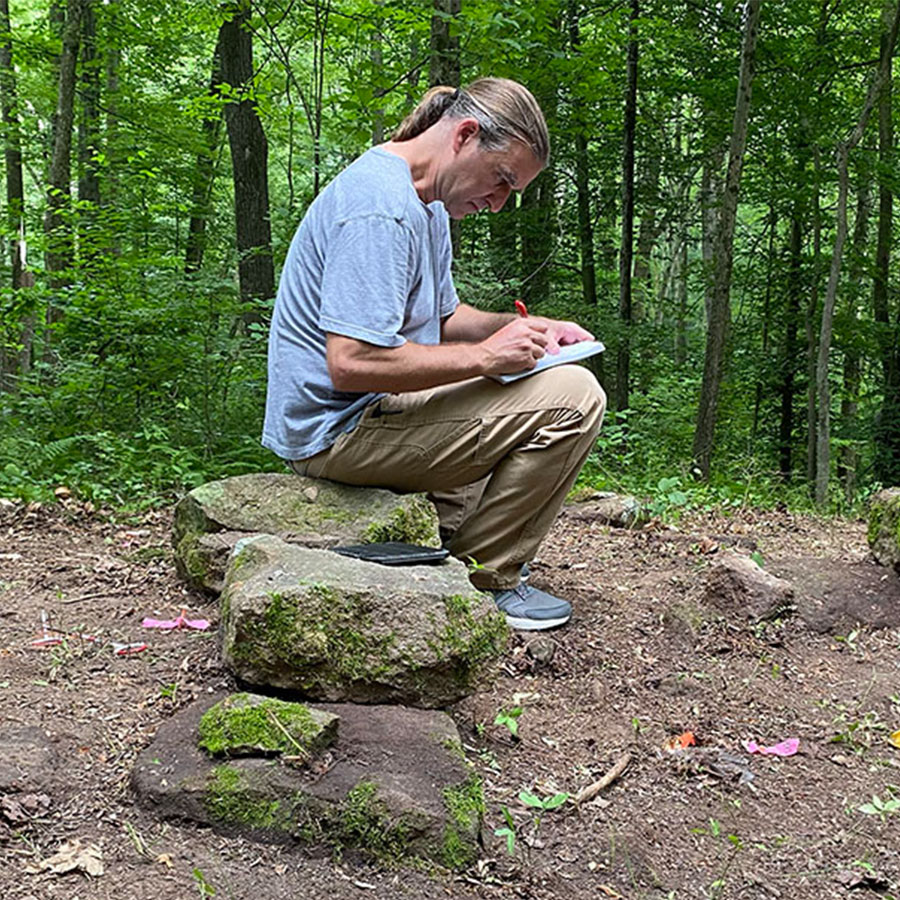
[
  {"x": 719, "y": 311},
  {"x": 812, "y": 312},
  {"x": 204, "y": 176},
  {"x": 710, "y": 199},
  {"x": 823, "y": 394},
  {"x": 583, "y": 189},
  {"x": 679, "y": 278},
  {"x": 848, "y": 458},
  {"x": 445, "y": 44},
  {"x": 887, "y": 425},
  {"x": 626, "y": 253},
  {"x": 89, "y": 124},
  {"x": 789, "y": 353},
  {"x": 445, "y": 67},
  {"x": 113, "y": 60},
  {"x": 762, "y": 379},
  {"x": 58, "y": 257},
  {"x": 11, "y": 340},
  {"x": 249, "y": 159}
]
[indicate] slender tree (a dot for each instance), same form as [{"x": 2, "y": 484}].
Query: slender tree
[
  {"x": 204, "y": 171},
  {"x": 10, "y": 341},
  {"x": 58, "y": 231},
  {"x": 719, "y": 313},
  {"x": 249, "y": 160},
  {"x": 626, "y": 251}
]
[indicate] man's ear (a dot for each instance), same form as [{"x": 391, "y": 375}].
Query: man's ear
[{"x": 464, "y": 130}]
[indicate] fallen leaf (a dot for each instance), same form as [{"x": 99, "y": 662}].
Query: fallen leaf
[
  {"x": 71, "y": 856},
  {"x": 895, "y": 739},
  {"x": 165, "y": 860}
]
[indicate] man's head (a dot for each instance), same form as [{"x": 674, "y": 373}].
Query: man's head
[{"x": 493, "y": 139}]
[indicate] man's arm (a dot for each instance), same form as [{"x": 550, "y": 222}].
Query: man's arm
[{"x": 355, "y": 365}]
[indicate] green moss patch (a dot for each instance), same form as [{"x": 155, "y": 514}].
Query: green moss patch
[
  {"x": 473, "y": 641},
  {"x": 414, "y": 524},
  {"x": 245, "y": 724},
  {"x": 465, "y": 805},
  {"x": 231, "y": 800},
  {"x": 335, "y": 628}
]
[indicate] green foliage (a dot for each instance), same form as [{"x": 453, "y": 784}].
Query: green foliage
[
  {"x": 509, "y": 718},
  {"x": 507, "y": 831},
  {"x": 140, "y": 381},
  {"x": 883, "y": 808}
]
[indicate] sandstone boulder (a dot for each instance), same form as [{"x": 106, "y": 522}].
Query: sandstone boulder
[
  {"x": 884, "y": 527},
  {"x": 395, "y": 785},
  {"x": 306, "y": 511},
  {"x": 335, "y": 628}
]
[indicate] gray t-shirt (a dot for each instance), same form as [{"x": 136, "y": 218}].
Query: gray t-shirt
[{"x": 369, "y": 261}]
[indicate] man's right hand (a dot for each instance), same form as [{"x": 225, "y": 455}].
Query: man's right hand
[{"x": 516, "y": 347}]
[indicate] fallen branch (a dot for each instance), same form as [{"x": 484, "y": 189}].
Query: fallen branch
[{"x": 591, "y": 791}]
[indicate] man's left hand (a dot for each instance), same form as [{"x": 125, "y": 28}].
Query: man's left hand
[{"x": 560, "y": 333}]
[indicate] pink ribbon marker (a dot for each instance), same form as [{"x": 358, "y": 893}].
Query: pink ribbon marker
[
  {"x": 785, "y": 748},
  {"x": 179, "y": 622}
]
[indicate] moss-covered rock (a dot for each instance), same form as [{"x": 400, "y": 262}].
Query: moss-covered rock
[
  {"x": 884, "y": 527},
  {"x": 253, "y": 725},
  {"x": 335, "y": 628},
  {"x": 395, "y": 786},
  {"x": 306, "y": 511}
]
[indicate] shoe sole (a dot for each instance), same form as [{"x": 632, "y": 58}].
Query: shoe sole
[{"x": 535, "y": 624}]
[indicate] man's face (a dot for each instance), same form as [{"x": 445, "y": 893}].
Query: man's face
[{"x": 480, "y": 179}]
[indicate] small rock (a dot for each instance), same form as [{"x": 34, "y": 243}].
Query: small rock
[
  {"x": 737, "y": 584},
  {"x": 541, "y": 649},
  {"x": 618, "y": 510}
]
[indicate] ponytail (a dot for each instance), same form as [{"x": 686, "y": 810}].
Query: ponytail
[
  {"x": 430, "y": 110},
  {"x": 504, "y": 110}
]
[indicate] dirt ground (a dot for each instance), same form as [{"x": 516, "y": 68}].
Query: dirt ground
[{"x": 643, "y": 660}]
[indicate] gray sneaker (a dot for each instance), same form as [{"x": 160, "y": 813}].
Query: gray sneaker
[{"x": 530, "y": 609}]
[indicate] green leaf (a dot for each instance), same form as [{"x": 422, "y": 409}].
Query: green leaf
[{"x": 555, "y": 801}]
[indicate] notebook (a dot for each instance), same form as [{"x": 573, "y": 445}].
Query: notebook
[
  {"x": 395, "y": 553},
  {"x": 568, "y": 353}
]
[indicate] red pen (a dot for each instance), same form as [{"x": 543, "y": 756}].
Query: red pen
[{"x": 521, "y": 309}]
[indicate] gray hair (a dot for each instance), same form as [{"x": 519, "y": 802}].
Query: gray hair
[{"x": 504, "y": 110}]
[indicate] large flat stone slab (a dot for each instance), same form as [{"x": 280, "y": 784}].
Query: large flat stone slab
[
  {"x": 306, "y": 511},
  {"x": 339, "y": 629},
  {"x": 394, "y": 785}
]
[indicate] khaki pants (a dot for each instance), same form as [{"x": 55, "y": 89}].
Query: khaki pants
[{"x": 497, "y": 460}]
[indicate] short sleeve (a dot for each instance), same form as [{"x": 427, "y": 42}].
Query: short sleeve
[
  {"x": 448, "y": 299},
  {"x": 366, "y": 280}
]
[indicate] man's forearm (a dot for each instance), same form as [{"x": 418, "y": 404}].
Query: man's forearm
[
  {"x": 470, "y": 325},
  {"x": 356, "y": 366}
]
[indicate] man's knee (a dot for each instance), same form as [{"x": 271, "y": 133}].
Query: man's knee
[{"x": 576, "y": 388}]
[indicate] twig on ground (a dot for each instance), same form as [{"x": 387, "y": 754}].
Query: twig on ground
[
  {"x": 106, "y": 595},
  {"x": 591, "y": 791}
]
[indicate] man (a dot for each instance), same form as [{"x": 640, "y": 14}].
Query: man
[{"x": 375, "y": 367}]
